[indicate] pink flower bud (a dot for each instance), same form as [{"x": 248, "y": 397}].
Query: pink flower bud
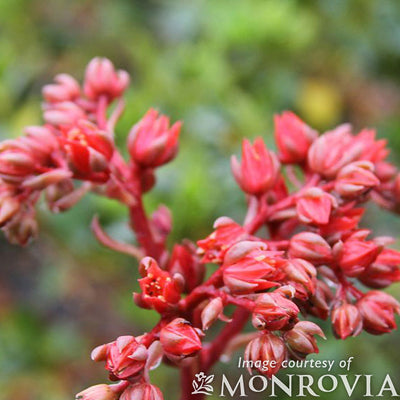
[
  {"x": 65, "y": 114},
  {"x": 159, "y": 290},
  {"x": 301, "y": 275},
  {"x": 259, "y": 168},
  {"x": 16, "y": 161},
  {"x": 21, "y": 228},
  {"x": 142, "y": 391},
  {"x": 185, "y": 262},
  {"x": 383, "y": 271},
  {"x": 180, "y": 339},
  {"x": 41, "y": 181},
  {"x": 124, "y": 358},
  {"x": 9, "y": 206},
  {"x": 98, "y": 392},
  {"x": 211, "y": 312},
  {"x": 378, "y": 311},
  {"x": 355, "y": 179},
  {"x": 293, "y": 137},
  {"x": 385, "y": 171},
  {"x": 101, "y": 79},
  {"x": 248, "y": 267},
  {"x": 41, "y": 141},
  {"x": 65, "y": 88},
  {"x": 310, "y": 246},
  {"x": 266, "y": 348},
  {"x": 372, "y": 150},
  {"x": 314, "y": 206},
  {"x": 301, "y": 340},
  {"x": 273, "y": 311},
  {"x": 333, "y": 150},
  {"x": 355, "y": 255},
  {"x": 227, "y": 232},
  {"x": 346, "y": 320},
  {"x": 152, "y": 142},
  {"x": 161, "y": 220},
  {"x": 320, "y": 302}
]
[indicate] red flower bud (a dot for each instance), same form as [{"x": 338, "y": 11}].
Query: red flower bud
[
  {"x": 355, "y": 255},
  {"x": 273, "y": 311},
  {"x": 227, "y": 232},
  {"x": 266, "y": 348},
  {"x": 346, "y": 320},
  {"x": 9, "y": 205},
  {"x": 185, "y": 262},
  {"x": 159, "y": 289},
  {"x": 41, "y": 142},
  {"x": 65, "y": 88},
  {"x": 142, "y": 391},
  {"x": 152, "y": 142},
  {"x": 89, "y": 150},
  {"x": 124, "y": 358},
  {"x": 301, "y": 275},
  {"x": 64, "y": 114},
  {"x": 301, "y": 340},
  {"x": 372, "y": 150},
  {"x": 211, "y": 312},
  {"x": 333, "y": 150},
  {"x": 314, "y": 206},
  {"x": 383, "y": 271},
  {"x": 16, "y": 161},
  {"x": 356, "y": 178},
  {"x": 320, "y": 301},
  {"x": 180, "y": 339},
  {"x": 101, "y": 79},
  {"x": 259, "y": 169},
  {"x": 340, "y": 223},
  {"x": 293, "y": 137},
  {"x": 378, "y": 311},
  {"x": 248, "y": 267},
  {"x": 310, "y": 246},
  {"x": 21, "y": 228}
]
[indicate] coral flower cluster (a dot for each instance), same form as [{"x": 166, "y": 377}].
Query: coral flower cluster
[{"x": 307, "y": 198}]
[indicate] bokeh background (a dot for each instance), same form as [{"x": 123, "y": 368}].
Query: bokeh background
[{"x": 224, "y": 67}]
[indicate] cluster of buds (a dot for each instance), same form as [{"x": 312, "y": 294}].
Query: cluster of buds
[
  {"x": 309, "y": 198},
  {"x": 74, "y": 151}
]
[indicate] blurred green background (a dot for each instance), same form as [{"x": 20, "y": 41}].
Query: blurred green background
[{"x": 224, "y": 67}]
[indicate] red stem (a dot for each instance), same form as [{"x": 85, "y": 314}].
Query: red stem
[{"x": 141, "y": 226}]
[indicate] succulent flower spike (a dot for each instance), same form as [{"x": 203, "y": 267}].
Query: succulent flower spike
[{"x": 299, "y": 251}]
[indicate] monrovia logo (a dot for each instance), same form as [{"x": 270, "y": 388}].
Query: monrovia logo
[
  {"x": 296, "y": 385},
  {"x": 201, "y": 384}
]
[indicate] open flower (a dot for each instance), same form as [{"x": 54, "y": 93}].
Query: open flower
[
  {"x": 159, "y": 289},
  {"x": 89, "y": 150},
  {"x": 226, "y": 233}
]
